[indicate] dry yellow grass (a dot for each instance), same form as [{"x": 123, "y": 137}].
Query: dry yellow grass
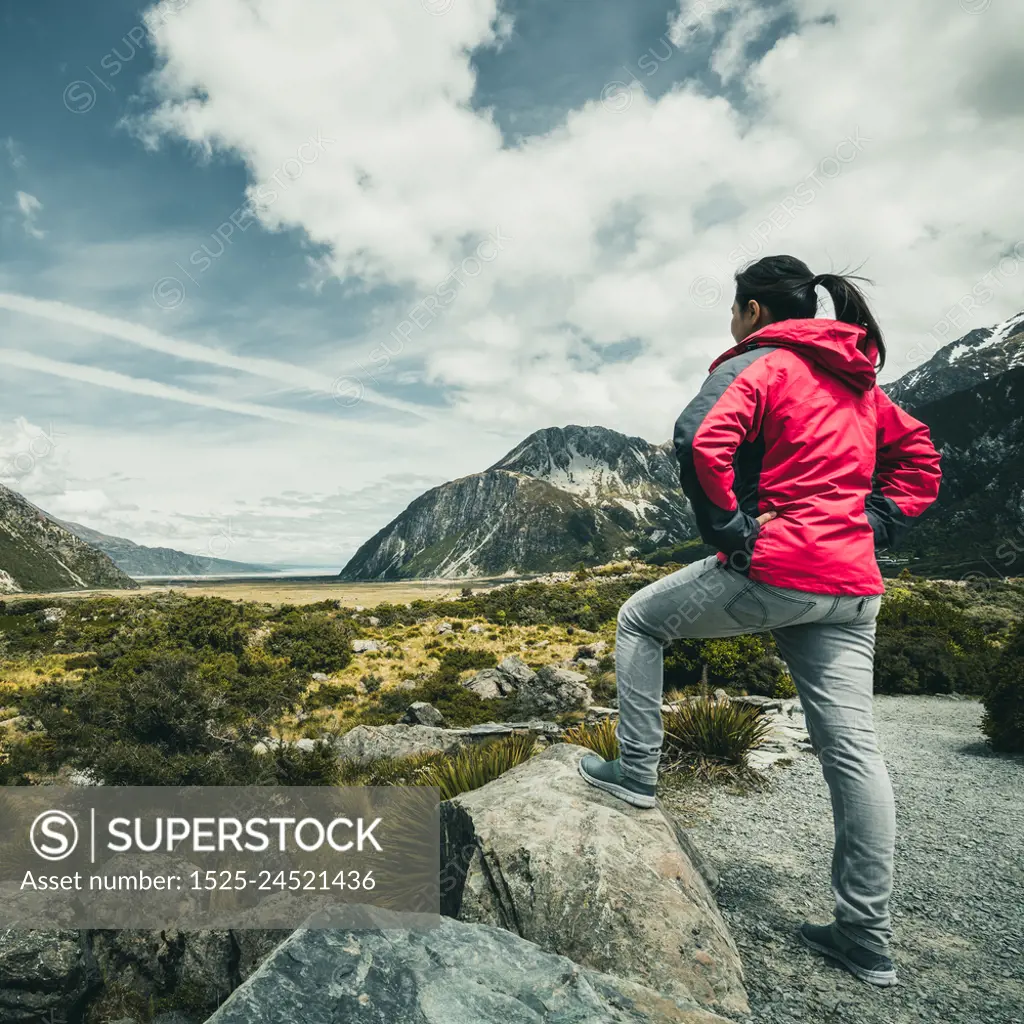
[
  {"x": 296, "y": 591},
  {"x": 418, "y": 649},
  {"x": 34, "y": 670}
]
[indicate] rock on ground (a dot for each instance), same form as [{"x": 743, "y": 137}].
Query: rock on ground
[
  {"x": 490, "y": 684},
  {"x": 57, "y": 975},
  {"x": 587, "y": 876},
  {"x": 957, "y": 909},
  {"x": 362, "y": 646},
  {"x": 516, "y": 670},
  {"x": 452, "y": 974},
  {"x": 422, "y": 713},
  {"x": 553, "y": 691},
  {"x": 43, "y": 972},
  {"x": 367, "y": 743}
]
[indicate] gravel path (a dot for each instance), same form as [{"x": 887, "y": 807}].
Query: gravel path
[{"x": 958, "y": 906}]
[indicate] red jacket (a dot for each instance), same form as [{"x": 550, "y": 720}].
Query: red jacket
[{"x": 791, "y": 421}]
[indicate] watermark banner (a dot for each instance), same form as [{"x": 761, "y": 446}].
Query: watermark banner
[{"x": 216, "y": 857}]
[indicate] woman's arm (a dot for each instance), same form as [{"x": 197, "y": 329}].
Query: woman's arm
[
  {"x": 726, "y": 412},
  {"x": 907, "y": 473}
]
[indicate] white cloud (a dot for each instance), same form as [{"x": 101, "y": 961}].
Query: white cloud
[
  {"x": 32, "y": 458},
  {"x": 29, "y": 206},
  {"x": 15, "y": 156},
  {"x": 145, "y": 337},
  {"x": 420, "y": 177}
]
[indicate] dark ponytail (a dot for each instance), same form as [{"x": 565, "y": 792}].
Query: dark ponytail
[{"x": 786, "y": 287}]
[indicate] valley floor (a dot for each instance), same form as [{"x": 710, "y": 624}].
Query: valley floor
[
  {"x": 296, "y": 590},
  {"x": 958, "y": 906}
]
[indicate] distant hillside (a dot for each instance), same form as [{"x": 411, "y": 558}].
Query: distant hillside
[
  {"x": 565, "y": 495},
  {"x": 38, "y": 554},
  {"x": 139, "y": 560}
]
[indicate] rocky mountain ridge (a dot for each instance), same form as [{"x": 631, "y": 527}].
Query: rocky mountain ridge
[
  {"x": 980, "y": 355},
  {"x": 562, "y": 496},
  {"x": 39, "y": 554}
]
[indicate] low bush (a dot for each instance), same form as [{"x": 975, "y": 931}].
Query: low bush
[
  {"x": 328, "y": 695},
  {"x": 313, "y": 643},
  {"x": 750, "y": 663},
  {"x": 1004, "y": 700},
  {"x": 169, "y": 720},
  {"x": 604, "y": 688},
  {"x": 387, "y": 771},
  {"x": 926, "y": 644}
]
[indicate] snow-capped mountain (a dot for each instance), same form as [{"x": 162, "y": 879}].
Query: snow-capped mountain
[
  {"x": 971, "y": 395},
  {"x": 978, "y": 356},
  {"x": 563, "y": 496}
]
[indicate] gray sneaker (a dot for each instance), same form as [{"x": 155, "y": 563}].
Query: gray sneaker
[
  {"x": 874, "y": 968},
  {"x": 607, "y": 775}
]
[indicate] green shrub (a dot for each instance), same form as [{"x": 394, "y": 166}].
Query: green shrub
[
  {"x": 167, "y": 719},
  {"x": 387, "y": 771},
  {"x": 460, "y": 707},
  {"x": 748, "y": 662},
  {"x": 476, "y": 766},
  {"x": 371, "y": 682},
  {"x": 707, "y": 732},
  {"x": 458, "y": 659},
  {"x": 313, "y": 643},
  {"x": 925, "y": 644},
  {"x": 599, "y": 737},
  {"x": 1004, "y": 701}
]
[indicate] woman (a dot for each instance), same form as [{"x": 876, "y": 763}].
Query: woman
[{"x": 798, "y": 467}]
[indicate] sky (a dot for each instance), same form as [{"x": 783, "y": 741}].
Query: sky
[{"x": 269, "y": 270}]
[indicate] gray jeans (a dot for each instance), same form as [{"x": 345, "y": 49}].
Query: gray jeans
[{"x": 828, "y": 642}]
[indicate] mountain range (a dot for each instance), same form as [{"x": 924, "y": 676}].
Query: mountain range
[
  {"x": 575, "y": 494},
  {"x": 139, "y": 560}
]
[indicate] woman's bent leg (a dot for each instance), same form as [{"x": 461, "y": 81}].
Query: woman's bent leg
[{"x": 685, "y": 603}]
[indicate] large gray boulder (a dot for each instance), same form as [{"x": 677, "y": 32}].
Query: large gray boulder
[
  {"x": 451, "y": 974},
  {"x": 422, "y": 713},
  {"x": 584, "y": 875},
  {"x": 488, "y": 684},
  {"x": 553, "y": 691},
  {"x": 516, "y": 671}
]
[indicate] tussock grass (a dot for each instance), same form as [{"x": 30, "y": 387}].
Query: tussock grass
[
  {"x": 476, "y": 766},
  {"x": 713, "y": 738},
  {"x": 596, "y": 736}
]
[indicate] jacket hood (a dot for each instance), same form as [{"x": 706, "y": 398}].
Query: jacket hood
[{"x": 840, "y": 348}]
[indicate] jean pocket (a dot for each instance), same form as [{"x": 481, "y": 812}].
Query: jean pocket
[{"x": 759, "y": 607}]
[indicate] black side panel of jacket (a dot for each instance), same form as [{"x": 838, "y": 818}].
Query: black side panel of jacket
[
  {"x": 887, "y": 520},
  {"x": 729, "y": 531}
]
